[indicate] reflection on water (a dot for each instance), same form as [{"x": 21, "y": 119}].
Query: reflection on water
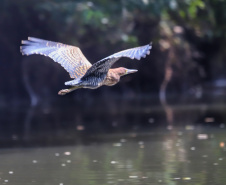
[
  {"x": 117, "y": 142},
  {"x": 188, "y": 155},
  {"x": 46, "y": 125}
]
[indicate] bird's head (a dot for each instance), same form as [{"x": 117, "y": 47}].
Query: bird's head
[{"x": 124, "y": 71}]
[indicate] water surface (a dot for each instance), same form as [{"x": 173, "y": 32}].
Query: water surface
[{"x": 173, "y": 155}]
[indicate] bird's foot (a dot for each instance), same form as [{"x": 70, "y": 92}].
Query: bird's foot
[{"x": 63, "y": 91}]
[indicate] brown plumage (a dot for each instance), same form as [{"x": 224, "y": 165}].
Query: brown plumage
[
  {"x": 84, "y": 73},
  {"x": 113, "y": 76}
]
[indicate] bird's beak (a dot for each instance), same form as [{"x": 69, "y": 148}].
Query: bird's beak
[{"x": 128, "y": 71}]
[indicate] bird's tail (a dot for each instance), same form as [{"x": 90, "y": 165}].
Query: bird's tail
[{"x": 73, "y": 82}]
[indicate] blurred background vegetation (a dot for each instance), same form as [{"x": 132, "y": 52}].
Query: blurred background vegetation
[
  {"x": 188, "y": 38},
  {"x": 186, "y": 65}
]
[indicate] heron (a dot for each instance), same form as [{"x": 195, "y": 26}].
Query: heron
[{"x": 83, "y": 73}]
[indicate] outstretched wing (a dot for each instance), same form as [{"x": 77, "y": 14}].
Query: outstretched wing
[
  {"x": 70, "y": 57},
  {"x": 133, "y": 53},
  {"x": 100, "y": 68}
]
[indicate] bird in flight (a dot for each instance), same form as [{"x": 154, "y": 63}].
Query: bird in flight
[{"x": 84, "y": 74}]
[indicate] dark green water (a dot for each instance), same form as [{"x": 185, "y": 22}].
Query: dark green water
[{"x": 185, "y": 155}]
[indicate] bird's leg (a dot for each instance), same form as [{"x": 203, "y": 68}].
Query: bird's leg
[{"x": 65, "y": 91}]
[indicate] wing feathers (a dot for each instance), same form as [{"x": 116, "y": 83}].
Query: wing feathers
[
  {"x": 133, "y": 53},
  {"x": 105, "y": 64},
  {"x": 70, "y": 57}
]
